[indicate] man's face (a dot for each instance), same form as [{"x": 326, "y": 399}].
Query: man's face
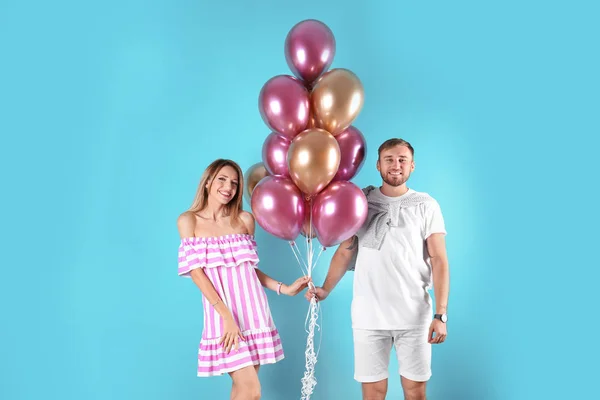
[{"x": 395, "y": 165}]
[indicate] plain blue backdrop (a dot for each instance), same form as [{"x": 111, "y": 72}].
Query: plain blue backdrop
[{"x": 110, "y": 111}]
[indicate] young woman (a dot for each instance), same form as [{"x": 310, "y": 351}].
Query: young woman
[{"x": 219, "y": 253}]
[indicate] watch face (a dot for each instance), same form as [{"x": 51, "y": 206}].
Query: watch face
[{"x": 444, "y": 318}]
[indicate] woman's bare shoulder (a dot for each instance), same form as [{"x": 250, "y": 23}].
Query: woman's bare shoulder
[
  {"x": 248, "y": 220},
  {"x": 186, "y": 224}
]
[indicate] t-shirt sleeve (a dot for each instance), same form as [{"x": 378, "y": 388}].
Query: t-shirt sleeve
[{"x": 434, "y": 220}]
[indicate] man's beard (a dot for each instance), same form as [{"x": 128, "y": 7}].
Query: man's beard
[{"x": 394, "y": 182}]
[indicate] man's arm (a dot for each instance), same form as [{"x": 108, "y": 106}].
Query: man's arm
[
  {"x": 436, "y": 246},
  {"x": 337, "y": 269}
]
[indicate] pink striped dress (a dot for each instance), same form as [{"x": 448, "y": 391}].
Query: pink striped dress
[{"x": 229, "y": 262}]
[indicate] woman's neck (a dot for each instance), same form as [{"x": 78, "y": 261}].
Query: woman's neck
[{"x": 213, "y": 210}]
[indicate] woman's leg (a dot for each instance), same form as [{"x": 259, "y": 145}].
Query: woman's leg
[{"x": 246, "y": 385}]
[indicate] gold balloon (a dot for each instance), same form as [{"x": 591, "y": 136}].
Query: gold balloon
[
  {"x": 251, "y": 178},
  {"x": 336, "y": 100},
  {"x": 313, "y": 160}
]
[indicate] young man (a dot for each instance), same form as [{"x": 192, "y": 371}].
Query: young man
[{"x": 397, "y": 254}]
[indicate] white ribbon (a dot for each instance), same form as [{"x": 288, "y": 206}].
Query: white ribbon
[
  {"x": 309, "y": 381},
  {"x": 310, "y": 324}
]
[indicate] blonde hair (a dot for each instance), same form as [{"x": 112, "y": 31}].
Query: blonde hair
[{"x": 234, "y": 207}]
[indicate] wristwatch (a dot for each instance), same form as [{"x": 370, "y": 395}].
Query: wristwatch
[{"x": 441, "y": 317}]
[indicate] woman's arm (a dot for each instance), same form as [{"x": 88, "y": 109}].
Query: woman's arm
[
  {"x": 269, "y": 282},
  {"x": 186, "y": 224},
  {"x": 291, "y": 290},
  {"x": 265, "y": 280}
]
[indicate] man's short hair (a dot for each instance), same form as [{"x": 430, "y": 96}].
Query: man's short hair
[{"x": 388, "y": 144}]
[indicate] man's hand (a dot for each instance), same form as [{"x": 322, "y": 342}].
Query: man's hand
[
  {"x": 319, "y": 292},
  {"x": 439, "y": 328},
  {"x": 337, "y": 268}
]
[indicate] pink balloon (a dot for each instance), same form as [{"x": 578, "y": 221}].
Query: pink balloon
[
  {"x": 278, "y": 207},
  {"x": 283, "y": 103},
  {"x": 309, "y": 49},
  {"x": 338, "y": 212},
  {"x": 274, "y": 154},
  {"x": 353, "y": 148}
]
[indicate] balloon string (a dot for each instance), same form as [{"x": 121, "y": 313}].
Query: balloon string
[
  {"x": 320, "y": 310},
  {"x": 310, "y": 257},
  {"x": 310, "y": 217},
  {"x": 309, "y": 381},
  {"x": 301, "y": 262},
  {"x": 320, "y": 329},
  {"x": 311, "y": 229},
  {"x": 307, "y": 242},
  {"x": 318, "y": 256},
  {"x": 309, "y": 237}
]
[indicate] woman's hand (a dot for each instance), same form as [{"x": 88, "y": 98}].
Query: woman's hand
[
  {"x": 296, "y": 287},
  {"x": 231, "y": 335}
]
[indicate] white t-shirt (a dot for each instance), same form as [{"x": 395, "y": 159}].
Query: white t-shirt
[{"x": 391, "y": 285}]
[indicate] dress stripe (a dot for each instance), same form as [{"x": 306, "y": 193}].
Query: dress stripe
[
  {"x": 230, "y": 264},
  {"x": 257, "y": 316},
  {"x": 246, "y": 300},
  {"x": 262, "y": 305}
]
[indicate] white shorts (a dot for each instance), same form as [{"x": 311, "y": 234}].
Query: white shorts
[{"x": 372, "y": 350}]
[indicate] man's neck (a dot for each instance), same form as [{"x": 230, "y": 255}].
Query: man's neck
[{"x": 391, "y": 191}]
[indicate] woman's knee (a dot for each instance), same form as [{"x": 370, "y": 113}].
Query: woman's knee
[{"x": 247, "y": 385}]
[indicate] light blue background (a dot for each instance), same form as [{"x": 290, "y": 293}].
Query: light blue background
[{"x": 110, "y": 110}]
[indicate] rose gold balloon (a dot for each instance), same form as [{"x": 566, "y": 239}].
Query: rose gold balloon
[
  {"x": 278, "y": 207},
  {"x": 353, "y": 148},
  {"x": 284, "y": 103},
  {"x": 251, "y": 178},
  {"x": 338, "y": 212},
  {"x": 336, "y": 100},
  {"x": 313, "y": 160},
  {"x": 274, "y": 154},
  {"x": 309, "y": 49}
]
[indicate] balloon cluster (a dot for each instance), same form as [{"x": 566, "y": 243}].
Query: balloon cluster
[{"x": 302, "y": 186}]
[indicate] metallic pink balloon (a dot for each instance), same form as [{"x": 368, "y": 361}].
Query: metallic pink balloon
[
  {"x": 309, "y": 49},
  {"x": 278, "y": 207},
  {"x": 274, "y": 154},
  {"x": 284, "y": 105},
  {"x": 353, "y": 148},
  {"x": 338, "y": 212}
]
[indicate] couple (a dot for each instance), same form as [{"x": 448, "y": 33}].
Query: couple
[{"x": 397, "y": 255}]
